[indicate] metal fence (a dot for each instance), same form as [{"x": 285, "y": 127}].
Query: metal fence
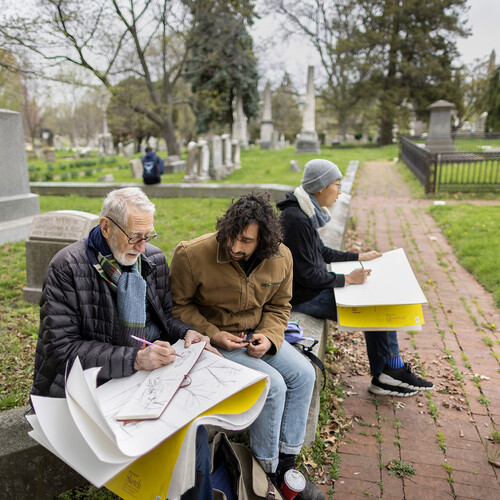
[{"x": 475, "y": 170}]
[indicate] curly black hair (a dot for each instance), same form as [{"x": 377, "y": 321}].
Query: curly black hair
[{"x": 252, "y": 208}]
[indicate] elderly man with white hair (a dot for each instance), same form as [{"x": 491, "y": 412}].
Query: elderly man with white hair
[
  {"x": 100, "y": 291},
  {"x": 303, "y": 212}
]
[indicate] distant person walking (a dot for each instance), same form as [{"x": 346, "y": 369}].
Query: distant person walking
[{"x": 152, "y": 167}]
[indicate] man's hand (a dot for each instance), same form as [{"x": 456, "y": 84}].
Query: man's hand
[
  {"x": 229, "y": 341},
  {"x": 358, "y": 276},
  {"x": 372, "y": 254},
  {"x": 193, "y": 337},
  {"x": 154, "y": 356},
  {"x": 259, "y": 345}
]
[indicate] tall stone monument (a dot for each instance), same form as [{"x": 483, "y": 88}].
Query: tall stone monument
[
  {"x": 239, "y": 131},
  {"x": 267, "y": 124},
  {"x": 307, "y": 140},
  {"x": 18, "y": 205},
  {"x": 439, "y": 139}
]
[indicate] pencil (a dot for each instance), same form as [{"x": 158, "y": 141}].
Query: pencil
[
  {"x": 361, "y": 264},
  {"x": 144, "y": 341}
]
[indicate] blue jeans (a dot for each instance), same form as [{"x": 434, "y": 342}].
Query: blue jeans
[
  {"x": 281, "y": 425},
  {"x": 202, "y": 489},
  {"x": 379, "y": 345}
]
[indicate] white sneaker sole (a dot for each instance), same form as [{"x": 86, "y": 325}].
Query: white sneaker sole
[
  {"x": 388, "y": 380},
  {"x": 379, "y": 391}
]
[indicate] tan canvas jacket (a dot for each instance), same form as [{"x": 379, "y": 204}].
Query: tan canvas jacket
[{"x": 212, "y": 293}]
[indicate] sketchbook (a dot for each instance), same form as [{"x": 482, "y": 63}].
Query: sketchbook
[
  {"x": 153, "y": 395},
  {"x": 390, "y": 299},
  {"x": 83, "y": 430}
]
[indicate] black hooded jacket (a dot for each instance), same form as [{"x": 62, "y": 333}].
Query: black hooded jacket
[
  {"x": 79, "y": 317},
  {"x": 310, "y": 255}
]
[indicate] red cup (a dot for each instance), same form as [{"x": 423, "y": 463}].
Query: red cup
[{"x": 293, "y": 483}]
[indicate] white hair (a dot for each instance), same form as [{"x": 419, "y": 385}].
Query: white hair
[{"x": 118, "y": 202}]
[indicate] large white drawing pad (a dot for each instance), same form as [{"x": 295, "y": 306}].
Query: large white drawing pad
[{"x": 391, "y": 282}]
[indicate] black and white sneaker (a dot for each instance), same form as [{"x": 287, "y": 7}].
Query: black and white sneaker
[
  {"x": 380, "y": 389},
  {"x": 404, "y": 377}
]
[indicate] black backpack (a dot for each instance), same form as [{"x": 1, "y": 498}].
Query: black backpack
[{"x": 151, "y": 169}]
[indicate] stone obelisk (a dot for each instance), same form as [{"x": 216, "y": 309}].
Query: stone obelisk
[
  {"x": 307, "y": 140},
  {"x": 266, "y": 126}
]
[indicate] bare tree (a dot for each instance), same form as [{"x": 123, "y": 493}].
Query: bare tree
[{"x": 111, "y": 39}]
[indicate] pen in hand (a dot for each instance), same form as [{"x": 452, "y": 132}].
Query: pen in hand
[
  {"x": 144, "y": 341},
  {"x": 362, "y": 264}
]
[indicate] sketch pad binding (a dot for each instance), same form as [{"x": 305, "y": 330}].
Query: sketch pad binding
[{"x": 154, "y": 394}]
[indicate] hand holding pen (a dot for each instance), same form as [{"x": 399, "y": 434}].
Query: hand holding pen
[{"x": 155, "y": 355}]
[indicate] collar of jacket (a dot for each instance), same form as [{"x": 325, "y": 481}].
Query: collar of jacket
[{"x": 223, "y": 256}]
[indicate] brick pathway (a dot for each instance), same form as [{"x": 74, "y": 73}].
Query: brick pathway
[{"x": 443, "y": 435}]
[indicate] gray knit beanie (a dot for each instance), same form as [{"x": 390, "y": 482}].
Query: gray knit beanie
[{"x": 319, "y": 174}]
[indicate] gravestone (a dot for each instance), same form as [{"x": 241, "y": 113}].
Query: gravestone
[
  {"x": 136, "y": 168},
  {"x": 49, "y": 233},
  {"x": 174, "y": 164},
  {"x": 204, "y": 155},
  {"x": 439, "y": 139},
  {"x": 267, "y": 124},
  {"x": 228, "y": 162},
  {"x": 217, "y": 170},
  {"x": 193, "y": 160},
  {"x": 239, "y": 129},
  {"x": 17, "y": 204},
  {"x": 236, "y": 154},
  {"x": 307, "y": 140},
  {"x": 294, "y": 166}
]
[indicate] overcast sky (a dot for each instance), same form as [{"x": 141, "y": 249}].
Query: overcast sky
[{"x": 294, "y": 55}]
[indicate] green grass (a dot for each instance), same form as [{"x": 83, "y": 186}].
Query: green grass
[
  {"x": 473, "y": 232},
  {"x": 259, "y": 165}
]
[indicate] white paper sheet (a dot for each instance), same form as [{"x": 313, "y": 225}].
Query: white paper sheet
[{"x": 392, "y": 282}]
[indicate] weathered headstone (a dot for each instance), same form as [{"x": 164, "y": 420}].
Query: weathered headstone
[
  {"x": 217, "y": 170},
  {"x": 239, "y": 130},
  {"x": 235, "y": 154},
  {"x": 228, "y": 162},
  {"x": 294, "y": 166},
  {"x": 174, "y": 164},
  {"x": 266, "y": 125},
  {"x": 17, "y": 204},
  {"x": 106, "y": 178},
  {"x": 136, "y": 168},
  {"x": 439, "y": 139},
  {"x": 193, "y": 160},
  {"x": 49, "y": 233},
  {"x": 204, "y": 155},
  {"x": 307, "y": 140}
]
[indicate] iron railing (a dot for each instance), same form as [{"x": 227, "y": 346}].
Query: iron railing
[{"x": 461, "y": 171}]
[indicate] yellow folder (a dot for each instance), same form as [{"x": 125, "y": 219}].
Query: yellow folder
[
  {"x": 149, "y": 476},
  {"x": 390, "y": 317}
]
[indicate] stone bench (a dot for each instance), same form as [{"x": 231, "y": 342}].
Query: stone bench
[{"x": 28, "y": 470}]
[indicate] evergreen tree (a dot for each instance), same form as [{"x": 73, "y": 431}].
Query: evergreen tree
[
  {"x": 287, "y": 116},
  {"x": 493, "y": 118},
  {"x": 414, "y": 48},
  {"x": 221, "y": 63}
]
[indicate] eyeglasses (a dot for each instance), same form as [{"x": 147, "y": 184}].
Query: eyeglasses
[
  {"x": 133, "y": 240},
  {"x": 337, "y": 184}
]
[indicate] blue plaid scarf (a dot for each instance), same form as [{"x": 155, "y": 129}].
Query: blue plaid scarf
[{"x": 126, "y": 282}]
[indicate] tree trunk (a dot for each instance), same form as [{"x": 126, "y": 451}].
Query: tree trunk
[{"x": 169, "y": 136}]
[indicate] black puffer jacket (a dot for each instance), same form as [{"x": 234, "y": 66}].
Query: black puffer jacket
[
  {"x": 79, "y": 317},
  {"x": 310, "y": 255}
]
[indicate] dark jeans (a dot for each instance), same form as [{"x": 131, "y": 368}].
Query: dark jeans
[
  {"x": 379, "y": 345},
  {"x": 202, "y": 489}
]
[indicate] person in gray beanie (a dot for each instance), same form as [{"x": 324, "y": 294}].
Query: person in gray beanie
[{"x": 303, "y": 212}]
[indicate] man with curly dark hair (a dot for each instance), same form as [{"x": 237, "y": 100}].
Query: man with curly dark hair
[{"x": 235, "y": 286}]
